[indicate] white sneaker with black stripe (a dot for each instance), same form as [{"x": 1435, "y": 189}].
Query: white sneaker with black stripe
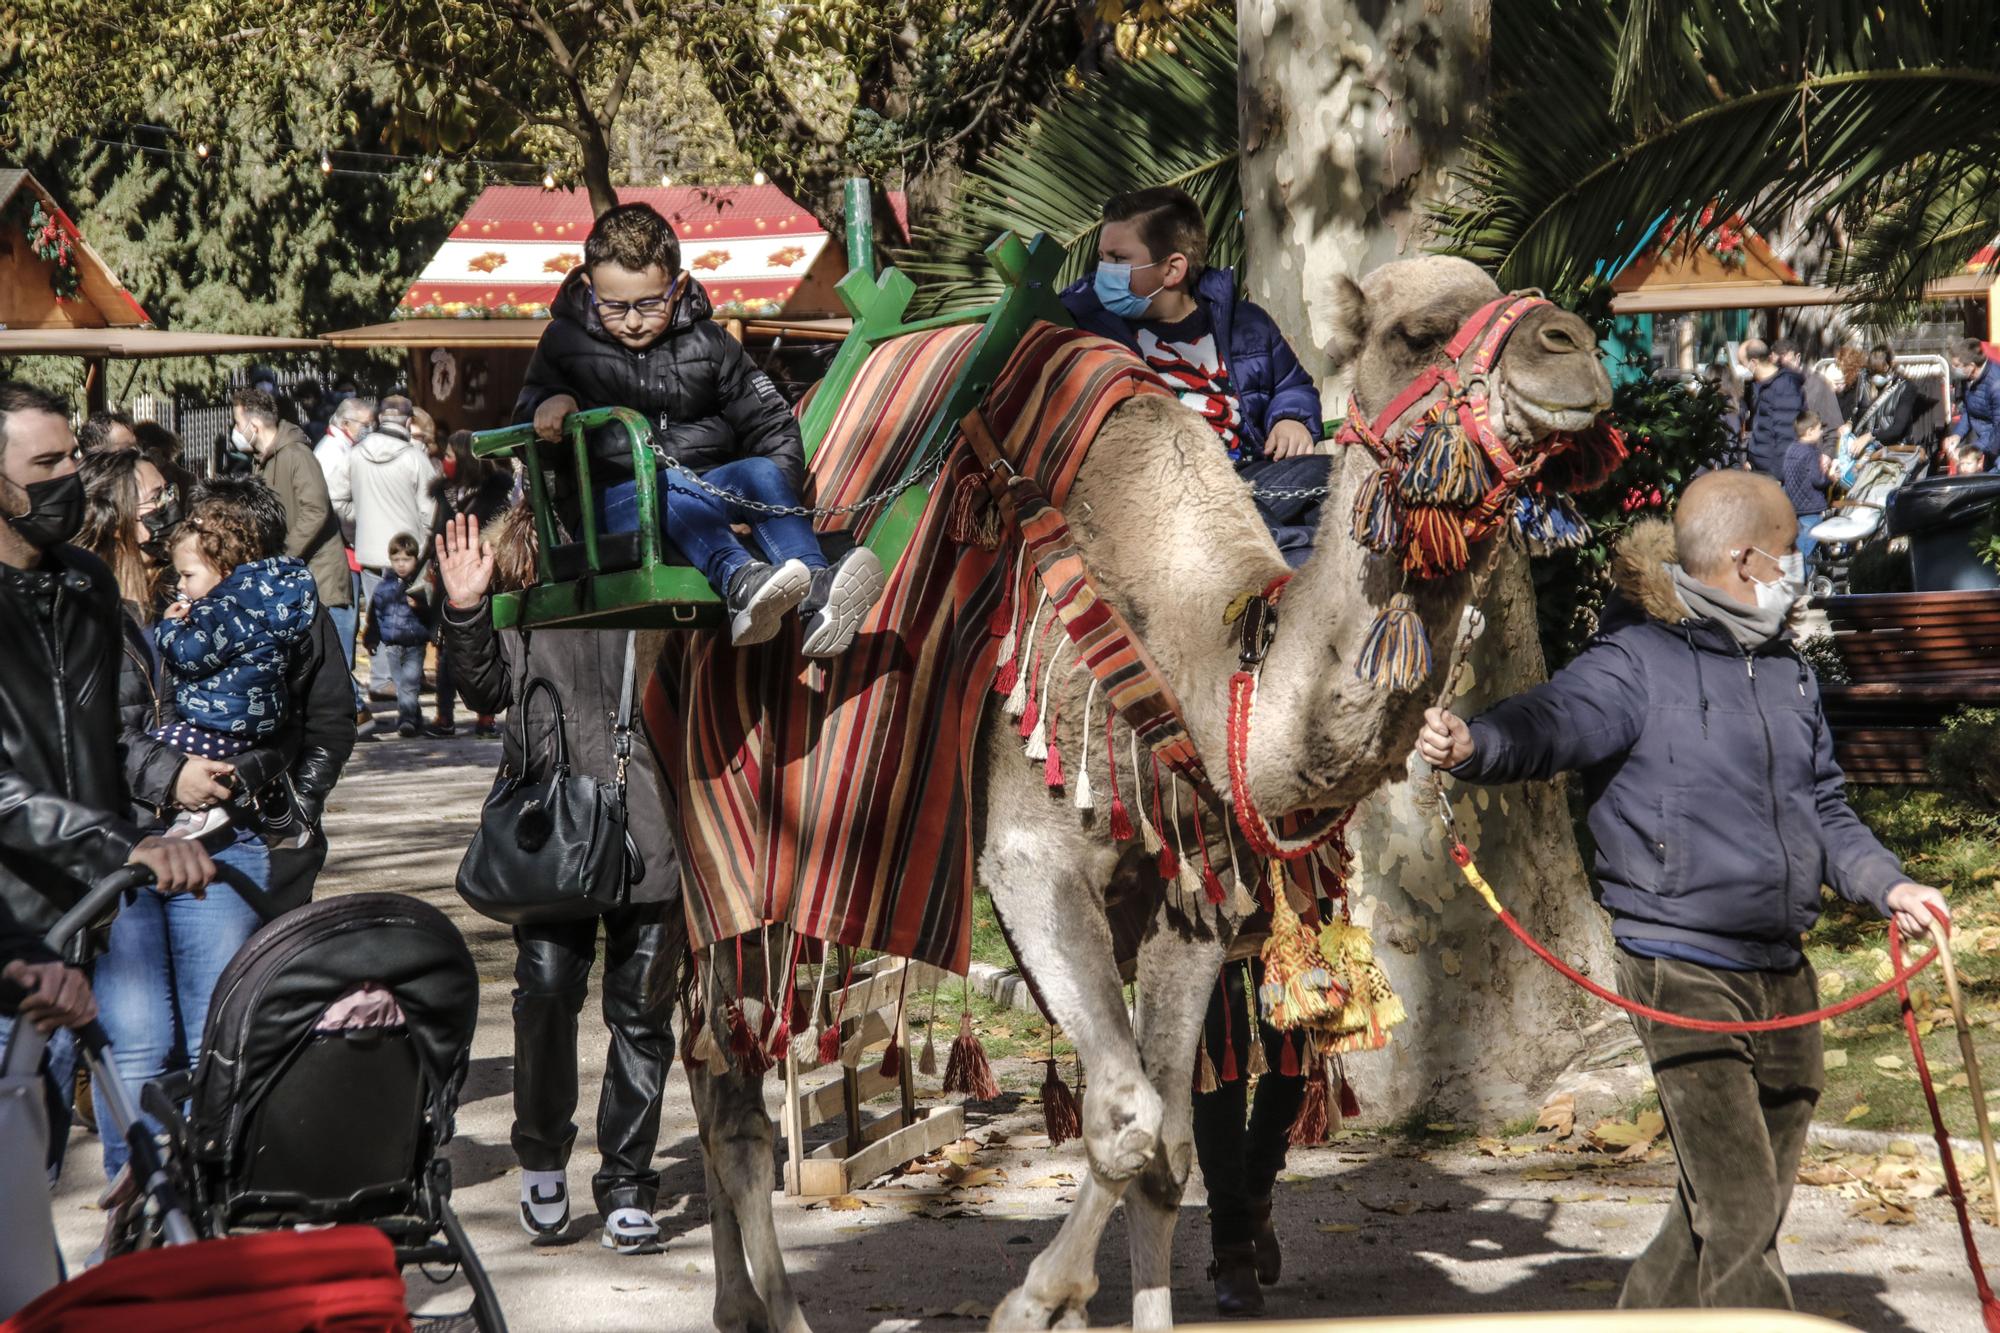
[
  {"x": 631, "y": 1231},
  {"x": 544, "y": 1203},
  {"x": 842, "y": 596},
  {"x": 761, "y": 596}
]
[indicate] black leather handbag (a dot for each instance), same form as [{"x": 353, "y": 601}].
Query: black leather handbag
[{"x": 554, "y": 846}]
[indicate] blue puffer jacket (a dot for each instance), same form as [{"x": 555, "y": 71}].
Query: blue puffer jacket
[
  {"x": 1270, "y": 384},
  {"x": 1716, "y": 805},
  {"x": 391, "y": 618},
  {"x": 230, "y": 653},
  {"x": 1775, "y": 405},
  {"x": 1979, "y": 411}
]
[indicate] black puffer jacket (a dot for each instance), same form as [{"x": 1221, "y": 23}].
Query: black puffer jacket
[
  {"x": 62, "y": 821},
  {"x": 587, "y": 667},
  {"x": 707, "y": 403}
]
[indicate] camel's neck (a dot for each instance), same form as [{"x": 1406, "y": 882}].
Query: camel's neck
[{"x": 1320, "y": 736}]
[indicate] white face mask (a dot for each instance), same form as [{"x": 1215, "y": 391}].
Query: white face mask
[
  {"x": 1784, "y": 591},
  {"x": 240, "y": 442}
]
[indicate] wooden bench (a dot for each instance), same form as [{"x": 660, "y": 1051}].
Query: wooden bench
[{"x": 1913, "y": 659}]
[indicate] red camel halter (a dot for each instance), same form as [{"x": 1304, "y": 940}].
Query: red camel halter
[{"x": 1484, "y": 335}]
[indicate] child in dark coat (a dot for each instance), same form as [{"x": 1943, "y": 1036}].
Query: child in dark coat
[
  {"x": 631, "y": 329},
  {"x": 402, "y": 621},
  {"x": 227, "y": 641}
]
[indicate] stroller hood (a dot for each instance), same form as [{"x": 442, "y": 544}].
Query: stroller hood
[{"x": 283, "y": 980}]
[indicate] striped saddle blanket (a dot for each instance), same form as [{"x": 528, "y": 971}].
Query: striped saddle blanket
[{"x": 836, "y": 797}]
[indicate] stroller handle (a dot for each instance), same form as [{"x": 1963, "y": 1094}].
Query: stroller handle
[{"x": 91, "y": 906}]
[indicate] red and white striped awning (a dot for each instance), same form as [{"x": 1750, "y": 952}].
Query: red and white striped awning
[{"x": 748, "y": 245}]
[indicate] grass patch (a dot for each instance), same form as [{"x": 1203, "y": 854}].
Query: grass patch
[{"x": 1956, "y": 846}]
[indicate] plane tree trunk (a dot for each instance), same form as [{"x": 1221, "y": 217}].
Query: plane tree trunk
[{"x": 1351, "y": 114}]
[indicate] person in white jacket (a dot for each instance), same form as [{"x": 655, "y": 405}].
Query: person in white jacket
[
  {"x": 351, "y": 424},
  {"x": 389, "y": 477}
]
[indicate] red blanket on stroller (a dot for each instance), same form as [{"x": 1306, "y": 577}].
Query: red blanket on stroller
[
  {"x": 837, "y": 798},
  {"x": 342, "y": 1280}
]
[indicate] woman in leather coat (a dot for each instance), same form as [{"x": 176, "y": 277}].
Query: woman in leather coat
[
  {"x": 165, "y": 953},
  {"x": 552, "y": 965}
]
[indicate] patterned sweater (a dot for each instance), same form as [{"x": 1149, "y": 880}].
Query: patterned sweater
[{"x": 229, "y": 655}]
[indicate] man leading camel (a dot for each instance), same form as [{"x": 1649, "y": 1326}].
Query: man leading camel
[{"x": 1718, "y": 812}]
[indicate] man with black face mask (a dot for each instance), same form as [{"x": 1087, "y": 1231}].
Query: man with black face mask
[{"x": 60, "y": 774}]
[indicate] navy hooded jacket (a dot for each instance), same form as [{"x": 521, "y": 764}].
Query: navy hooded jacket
[
  {"x": 1269, "y": 383},
  {"x": 1715, "y": 802},
  {"x": 231, "y": 654},
  {"x": 1979, "y": 411},
  {"x": 1775, "y": 405}
]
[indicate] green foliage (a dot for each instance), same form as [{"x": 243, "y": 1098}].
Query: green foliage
[
  {"x": 1674, "y": 431},
  {"x": 1760, "y": 106},
  {"x": 1821, "y": 654},
  {"x": 1965, "y": 758},
  {"x": 1169, "y": 119}
]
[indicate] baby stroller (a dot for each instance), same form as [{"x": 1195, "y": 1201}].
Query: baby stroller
[
  {"x": 344, "y": 1276},
  {"x": 328, "y": 1085}
]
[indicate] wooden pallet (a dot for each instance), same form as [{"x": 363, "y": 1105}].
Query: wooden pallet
[
  {"x": 1912, "y": 659},
  {"x": 870, "y": 1143}
]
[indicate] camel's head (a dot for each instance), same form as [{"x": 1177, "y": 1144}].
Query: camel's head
[{"x": 1398, "y": 320}]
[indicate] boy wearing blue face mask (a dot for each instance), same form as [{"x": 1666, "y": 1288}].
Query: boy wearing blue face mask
[{"x": 1222, "y": 353}]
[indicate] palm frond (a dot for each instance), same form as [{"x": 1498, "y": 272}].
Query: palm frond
[
  {"x": 1167, "y": 119},
  {"x": 1927, "y": 223},
  {"x": 1758, "y": 104}
]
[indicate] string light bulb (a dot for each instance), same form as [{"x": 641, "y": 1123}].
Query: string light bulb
[
  {"x": 201, "y": 151},
  {"x": 759, "y": 179},
  {"x": 429, "y": 173},
  {"x": 548, "y": 179},
  {"x": 325, "y": 162},
  {"x": 666, "y": 181}
]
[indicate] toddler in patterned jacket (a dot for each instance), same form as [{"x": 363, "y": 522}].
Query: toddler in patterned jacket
[{"x": 227, "y": 644}]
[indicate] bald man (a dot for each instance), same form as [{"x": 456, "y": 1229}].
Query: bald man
[{"x": 1718, "y": 812}]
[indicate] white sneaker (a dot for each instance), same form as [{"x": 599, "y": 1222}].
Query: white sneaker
[
  {"x": 842, "y": 596},
  {"x": 198, "y": 824},
  {"x": 544, "y": 1203},
  {"x": 631, "y": 1231},
  {"x": 761, "y": 596}
]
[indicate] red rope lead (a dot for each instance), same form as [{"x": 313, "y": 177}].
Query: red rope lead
[{"x": 1989, "y": 1308}]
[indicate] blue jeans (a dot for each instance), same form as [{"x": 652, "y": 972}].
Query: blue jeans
[
  {"x": 698, "y": 523},
  {"x": 155, "y": 981},
  {"x": 405, "y": 665},
  {"x": 1807, "y": 522},
  {"x": 1293, "y": 521},
  {"x": 378, "y": 671},
  {"x": 346, "y": 624}
]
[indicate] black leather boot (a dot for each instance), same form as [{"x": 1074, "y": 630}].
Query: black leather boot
[
  {"x": 1264, "y": 1240},
  {"x": 1235, "y": 1275}
]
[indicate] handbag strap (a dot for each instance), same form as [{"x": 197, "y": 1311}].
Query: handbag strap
[{"x": 621, "y": 729}]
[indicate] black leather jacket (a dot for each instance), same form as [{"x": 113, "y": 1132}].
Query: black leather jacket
[
  {"x": 61, "y": 790},
  {"x": 708, "y": 404}
]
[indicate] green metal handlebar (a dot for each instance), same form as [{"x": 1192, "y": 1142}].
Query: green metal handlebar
[{"x": 503, "y": 443}]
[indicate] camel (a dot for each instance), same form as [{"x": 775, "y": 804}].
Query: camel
[{"x": 1172, "y": 537}]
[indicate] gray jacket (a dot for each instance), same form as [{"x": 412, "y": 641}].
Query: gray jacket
[
  {"x": 587, "y": 668},
  {"x": 1715, "y": 802}
]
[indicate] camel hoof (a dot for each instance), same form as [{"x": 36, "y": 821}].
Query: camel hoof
[
  {"x": 1121, "y": 1128},
  {"x": 1021, "y": 1311}
]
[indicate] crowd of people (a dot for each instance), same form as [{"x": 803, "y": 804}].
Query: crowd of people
[{"x": 187, "y": 695}]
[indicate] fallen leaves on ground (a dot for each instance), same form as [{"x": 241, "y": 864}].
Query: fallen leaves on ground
[
  {"x": 1854, "y": 1113},
  {"x": 1834, "y": 1058},
  {"x": 1558, "y": 1115},
  {"x": 1883, "y": 1187},
  {"x": 1627, "y": 1138}
]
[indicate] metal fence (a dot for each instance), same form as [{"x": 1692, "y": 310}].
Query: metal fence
[{"x": 203, "y": 420}]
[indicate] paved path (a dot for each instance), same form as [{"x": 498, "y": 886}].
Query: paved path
[{"x": 1371, "y": 1227}]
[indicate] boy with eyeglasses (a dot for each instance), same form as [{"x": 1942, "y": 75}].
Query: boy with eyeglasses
[{"x": 630, "y": 328}]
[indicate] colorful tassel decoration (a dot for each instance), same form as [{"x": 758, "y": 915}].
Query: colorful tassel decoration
[
  {"x": 1378, "y": 525},
  {"x": 1446, "y": 466},
  {"x": 1299, "y": 990},
  {"x": 700, "y": 1046},
  {"x": 1017, "y": 692},
  {"x": 1350, "y": 1105},
  {"x": 1121, "y": 817},
  {"x": 1397, "y": 652},
  {"x": 1259, "y": 1063},
  {"x": 1062, "y": 1118},
  {"x": 1149, "y": 833},
  {"x": 1052, "y": 765},
  {"x": 1211, "y": 883},
  {"x": 1434, "y": 542},
  {"x": 892, "y": 1060},
  {"x": 1371, "y": 1007},
  {"x": 1549, "y": 521},
  {"x": 1204, "y": 1071},
  {"x": 967, "y": 1070},
  {"x": 1312, "y": 1124},
  {"x": 1084, "y": 797},
  {"x": 927, "y": 1062},
  {"x": 829, "y": 1043}
]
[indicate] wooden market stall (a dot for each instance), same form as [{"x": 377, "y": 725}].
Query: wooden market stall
[{"x": 472, "y": 317}]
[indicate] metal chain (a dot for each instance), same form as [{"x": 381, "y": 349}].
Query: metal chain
[
  {"x": 1429, "y": 793},
  {"x": 924, "y": 472},
  {"x": 1308, "y": 493}
]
